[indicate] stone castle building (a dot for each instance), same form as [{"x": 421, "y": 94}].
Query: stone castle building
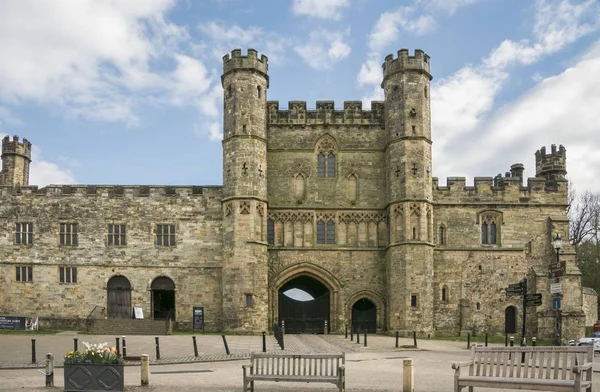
[{"x": 338, "y": 203}]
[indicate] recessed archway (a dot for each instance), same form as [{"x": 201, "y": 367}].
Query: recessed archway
[
  {"x": 119, "y": 298},
  {"x": 360, "y": 301},
  {"x": 304, "y": 305},
  {"x": 510, "y": 320},
  {"x": 364, "y": 316},
  {"x": 163, "y": 298}
]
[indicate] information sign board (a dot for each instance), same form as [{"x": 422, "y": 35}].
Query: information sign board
[
  {"x": 556, "y": 303},
  {"x": 12, "y": 322},
  {"x": 198, "y": 318},
  {"x": 555, "y": 288},
  {"x": 556, "y": 270}
]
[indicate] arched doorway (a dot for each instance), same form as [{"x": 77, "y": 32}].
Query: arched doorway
[
  {"x": 304, "y": 305},
  {"x": 119, "y": 298},
  {"x": 364, "y": 316},
  {"x": 510, "y": 320},
  {"x": 163, "y": 298}
]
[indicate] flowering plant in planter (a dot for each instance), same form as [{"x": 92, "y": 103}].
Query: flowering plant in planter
[{"x": 99, "y": 354}]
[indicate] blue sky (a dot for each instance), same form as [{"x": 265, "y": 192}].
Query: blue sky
[{"x": 128, "y": 92}]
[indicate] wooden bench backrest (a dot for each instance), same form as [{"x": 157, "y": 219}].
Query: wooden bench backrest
[
  {"x": 540, "y": 362},
  {"x": 297, "y": 365}
]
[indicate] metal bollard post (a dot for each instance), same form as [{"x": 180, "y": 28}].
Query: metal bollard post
[
  {"x": 157, "y": 348},
  {"x": 486, "y": 340},
  {"x": 346, "y": 334},
  {"x": 505, "y": 340},
  {"x": 512, "y": 341},
  {"x": 124, "y": 347},
  {"x": 49, "y": 370},
  {"x": 325, "y": 329},
  {"x": 145, "y": 370},
  {"x": 415, "y": 338},
  {"x": 365, "y": 338},
  {"x": 396, "y": 339},
  {"x": 351, "y": 333},
  {"x": 118, "y": 348},
  {"x": 225, "y": 343},
  {"x": 468, "y": 341},
  {"x": 75, "y": 344},
  {"x": 195, "y": 346},
  {"x": 533, "y": 341},
  {"x": 33, "y": 359},
  {"x": 264, "y": 342},
  {"x": 408, "y": 376},
  {"x": 357, "y": 337}
]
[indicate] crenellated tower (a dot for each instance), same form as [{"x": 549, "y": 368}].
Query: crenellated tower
[
  {"x": 553, "y": 166},
  {"x": 245, "y": 268},
  {"x": 406, "y": 84},
  {"x": 16, "y": 158}
]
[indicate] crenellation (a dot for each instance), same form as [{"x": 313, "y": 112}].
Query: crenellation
[
  {"x": 417, "y": 63},
  {"x": 551, "y": 166},
  {"x": 251, "y": 62},
  {"x": 325, "y": 113},
  {"x": 127, "y": 191}
]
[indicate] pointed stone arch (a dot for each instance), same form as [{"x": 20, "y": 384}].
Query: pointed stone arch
[
  {"x": 326, "y": 156},
  {"x": 299, "y": 187},
  {"x": 313, "y": 271},
  {"x": 352, "y": 187},
  {"x": 372, "y": 296}
]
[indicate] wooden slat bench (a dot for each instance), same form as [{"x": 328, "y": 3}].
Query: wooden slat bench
[
  {"x": 544, "y": 368},
  {"x": 296, "y": 368}
]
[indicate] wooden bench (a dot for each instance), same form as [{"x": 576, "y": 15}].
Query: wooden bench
[
  {"x": 544, "y": 368},
  {"x": 296, "y": 368}
]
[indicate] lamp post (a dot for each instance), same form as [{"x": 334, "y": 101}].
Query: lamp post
[{"x": 557, "y": 243}]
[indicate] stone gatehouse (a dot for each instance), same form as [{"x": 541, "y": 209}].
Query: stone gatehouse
[{"x": 338, "y": 203}]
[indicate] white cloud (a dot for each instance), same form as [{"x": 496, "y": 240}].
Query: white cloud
[
  {"x": 97, "y": 60},
  {"x": 370, "y": 73},
  {"x": 388, "y": 26},
  {"x": 449, "y": 6},
  {"x": 323, "y": 9},
  {"x": 7, "y": 118},
  {"x": 213, "y": 130},
  {"x": 43, "y": 172},
  {"x": 324, "y": 48}
]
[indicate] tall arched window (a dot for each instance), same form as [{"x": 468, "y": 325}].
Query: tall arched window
[
  {"x": 442, "y": 236},
  {"x": 258, "y": 91},
  {"x": 270, "y": 232},
  {"x": 490, "y": 228},
  {"x": 395, "y": 92},
  {"x": 326, "y": 157},
  {"x": 321, "y": 164},
  {"x": 325, "y": 231},
  {"x": 444, "y": 294}
]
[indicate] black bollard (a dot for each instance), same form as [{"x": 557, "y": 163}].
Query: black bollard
[
  {"x": 75, "y": 344},
  {"x": 157, "y": 348},
  {"x": 357, "y": 337},
  {"x": 505, "y": 340},
  {"x": 33, "y": 359},
  {"x": 118, "y": 348},
  {"x": 512, "y": 341},
  {"x": 415, "y": 338},
  {"x": 124, "y": 347},
  {"x": 486, "y": 340},
  {"x": 225, "y": 344},
  {"x": 264, "y": 342},
  {"x": 351, "y": 333},
  {"x": 396, "y": 339},
  {"x": 195, "y": 346},
  {"x": 365, "y": 338},
  {"x": 468, "y": 341},
  {"x": 346, "y": 334},
  {"x": 533, "y": 340}
]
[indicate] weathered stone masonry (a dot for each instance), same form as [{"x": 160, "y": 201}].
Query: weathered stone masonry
[{"x": 345, "y": 197}]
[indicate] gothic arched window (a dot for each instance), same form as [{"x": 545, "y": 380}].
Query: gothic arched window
[
  {"x": 270, "y": 232},
  {"x": 325, "y": 231},
  {"x": 326, "y": 157},
  {"x": 490, "y": 228}
]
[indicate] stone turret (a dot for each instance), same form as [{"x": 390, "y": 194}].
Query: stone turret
[
  {"x": 406, "y": 83},
  {"x": 245, "y": 267},
  {"x": 16, "y": 157},
  {"x": 551, "y": 166}
]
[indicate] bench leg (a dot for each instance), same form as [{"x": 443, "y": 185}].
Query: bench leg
[
  {"x": 470, "y": 389},
  {"x": 251, "y": 386}
]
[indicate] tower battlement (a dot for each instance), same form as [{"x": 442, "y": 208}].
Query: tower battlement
[
  {"x": 15, "y": 147},
  {"x": 551, "y": 166},
  {"x": 417, "y": 63},
  {"x": 325, "y": 113},
  {"x": 249, "y": 62}
]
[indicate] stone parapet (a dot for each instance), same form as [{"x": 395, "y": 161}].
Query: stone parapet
[{"x": 325, "y": 113}]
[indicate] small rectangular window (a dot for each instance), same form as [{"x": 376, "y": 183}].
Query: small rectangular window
[
  {"x": 68, "y": 234},
  {"x": 67, "y": 274},
  {"x": 320, "y": 232},
  {"x": 165, "y": 235},
  {"x": 117, "y": 235},
  {"x": 23, "y": 233},
  {"x": 249, "y": 301},
  {"x": 23, "y": 273},
  {"x": 414, "y": 129},
  {"x": 441, "y": 235},
  {"x": 413, "y": 301}
]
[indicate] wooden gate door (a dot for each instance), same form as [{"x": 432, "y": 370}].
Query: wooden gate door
[
  {"x": 304, "y": 316},
  {"x": 119, "y": 298},
  {"x": 364, "y": 316},
  {"x": 510, "y": 320}
]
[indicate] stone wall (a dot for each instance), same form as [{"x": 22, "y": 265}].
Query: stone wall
[{"x": 590, "y": 306}]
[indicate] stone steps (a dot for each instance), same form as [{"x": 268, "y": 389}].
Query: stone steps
[{"x": 120, "y": 327}]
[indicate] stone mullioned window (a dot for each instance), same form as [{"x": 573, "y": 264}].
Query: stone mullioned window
[
  {"x": 116, "y": 235},
  {"x": 68, "y": 234},
  {"x": 325, "y": 232},
  {"x": 165, "y": 235},
  {"x": 23, "y": 273},
  {"x": 24, "y": 233},
  {"x": 67, "y": 274},
  {"x": 490, "y": 228}
]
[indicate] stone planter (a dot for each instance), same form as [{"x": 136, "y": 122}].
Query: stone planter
[{"x": 93, "y": 378}]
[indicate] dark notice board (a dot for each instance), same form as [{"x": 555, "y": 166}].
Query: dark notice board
[
  {"x": 198, "y": 318},
  {"x": 12, "y": 322}
]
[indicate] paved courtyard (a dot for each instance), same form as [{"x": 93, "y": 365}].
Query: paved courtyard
[{"x": 377, "y": 367}]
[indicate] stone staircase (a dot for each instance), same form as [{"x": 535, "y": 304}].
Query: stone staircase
[{"x": 129, "y": 327}]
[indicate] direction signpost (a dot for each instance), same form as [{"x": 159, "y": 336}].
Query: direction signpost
[
  {"x": 520, "y": 289},
  {"x": 556, "y": 270}
]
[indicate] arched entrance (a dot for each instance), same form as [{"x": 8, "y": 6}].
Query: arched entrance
[
  {"x": 119, "y": 298},
  {"x": 163, "y": 298},
  {"x": 304, "y": 305},
  {"x": 364, "y": 316},
  {"x": 510, "y": 320}
]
